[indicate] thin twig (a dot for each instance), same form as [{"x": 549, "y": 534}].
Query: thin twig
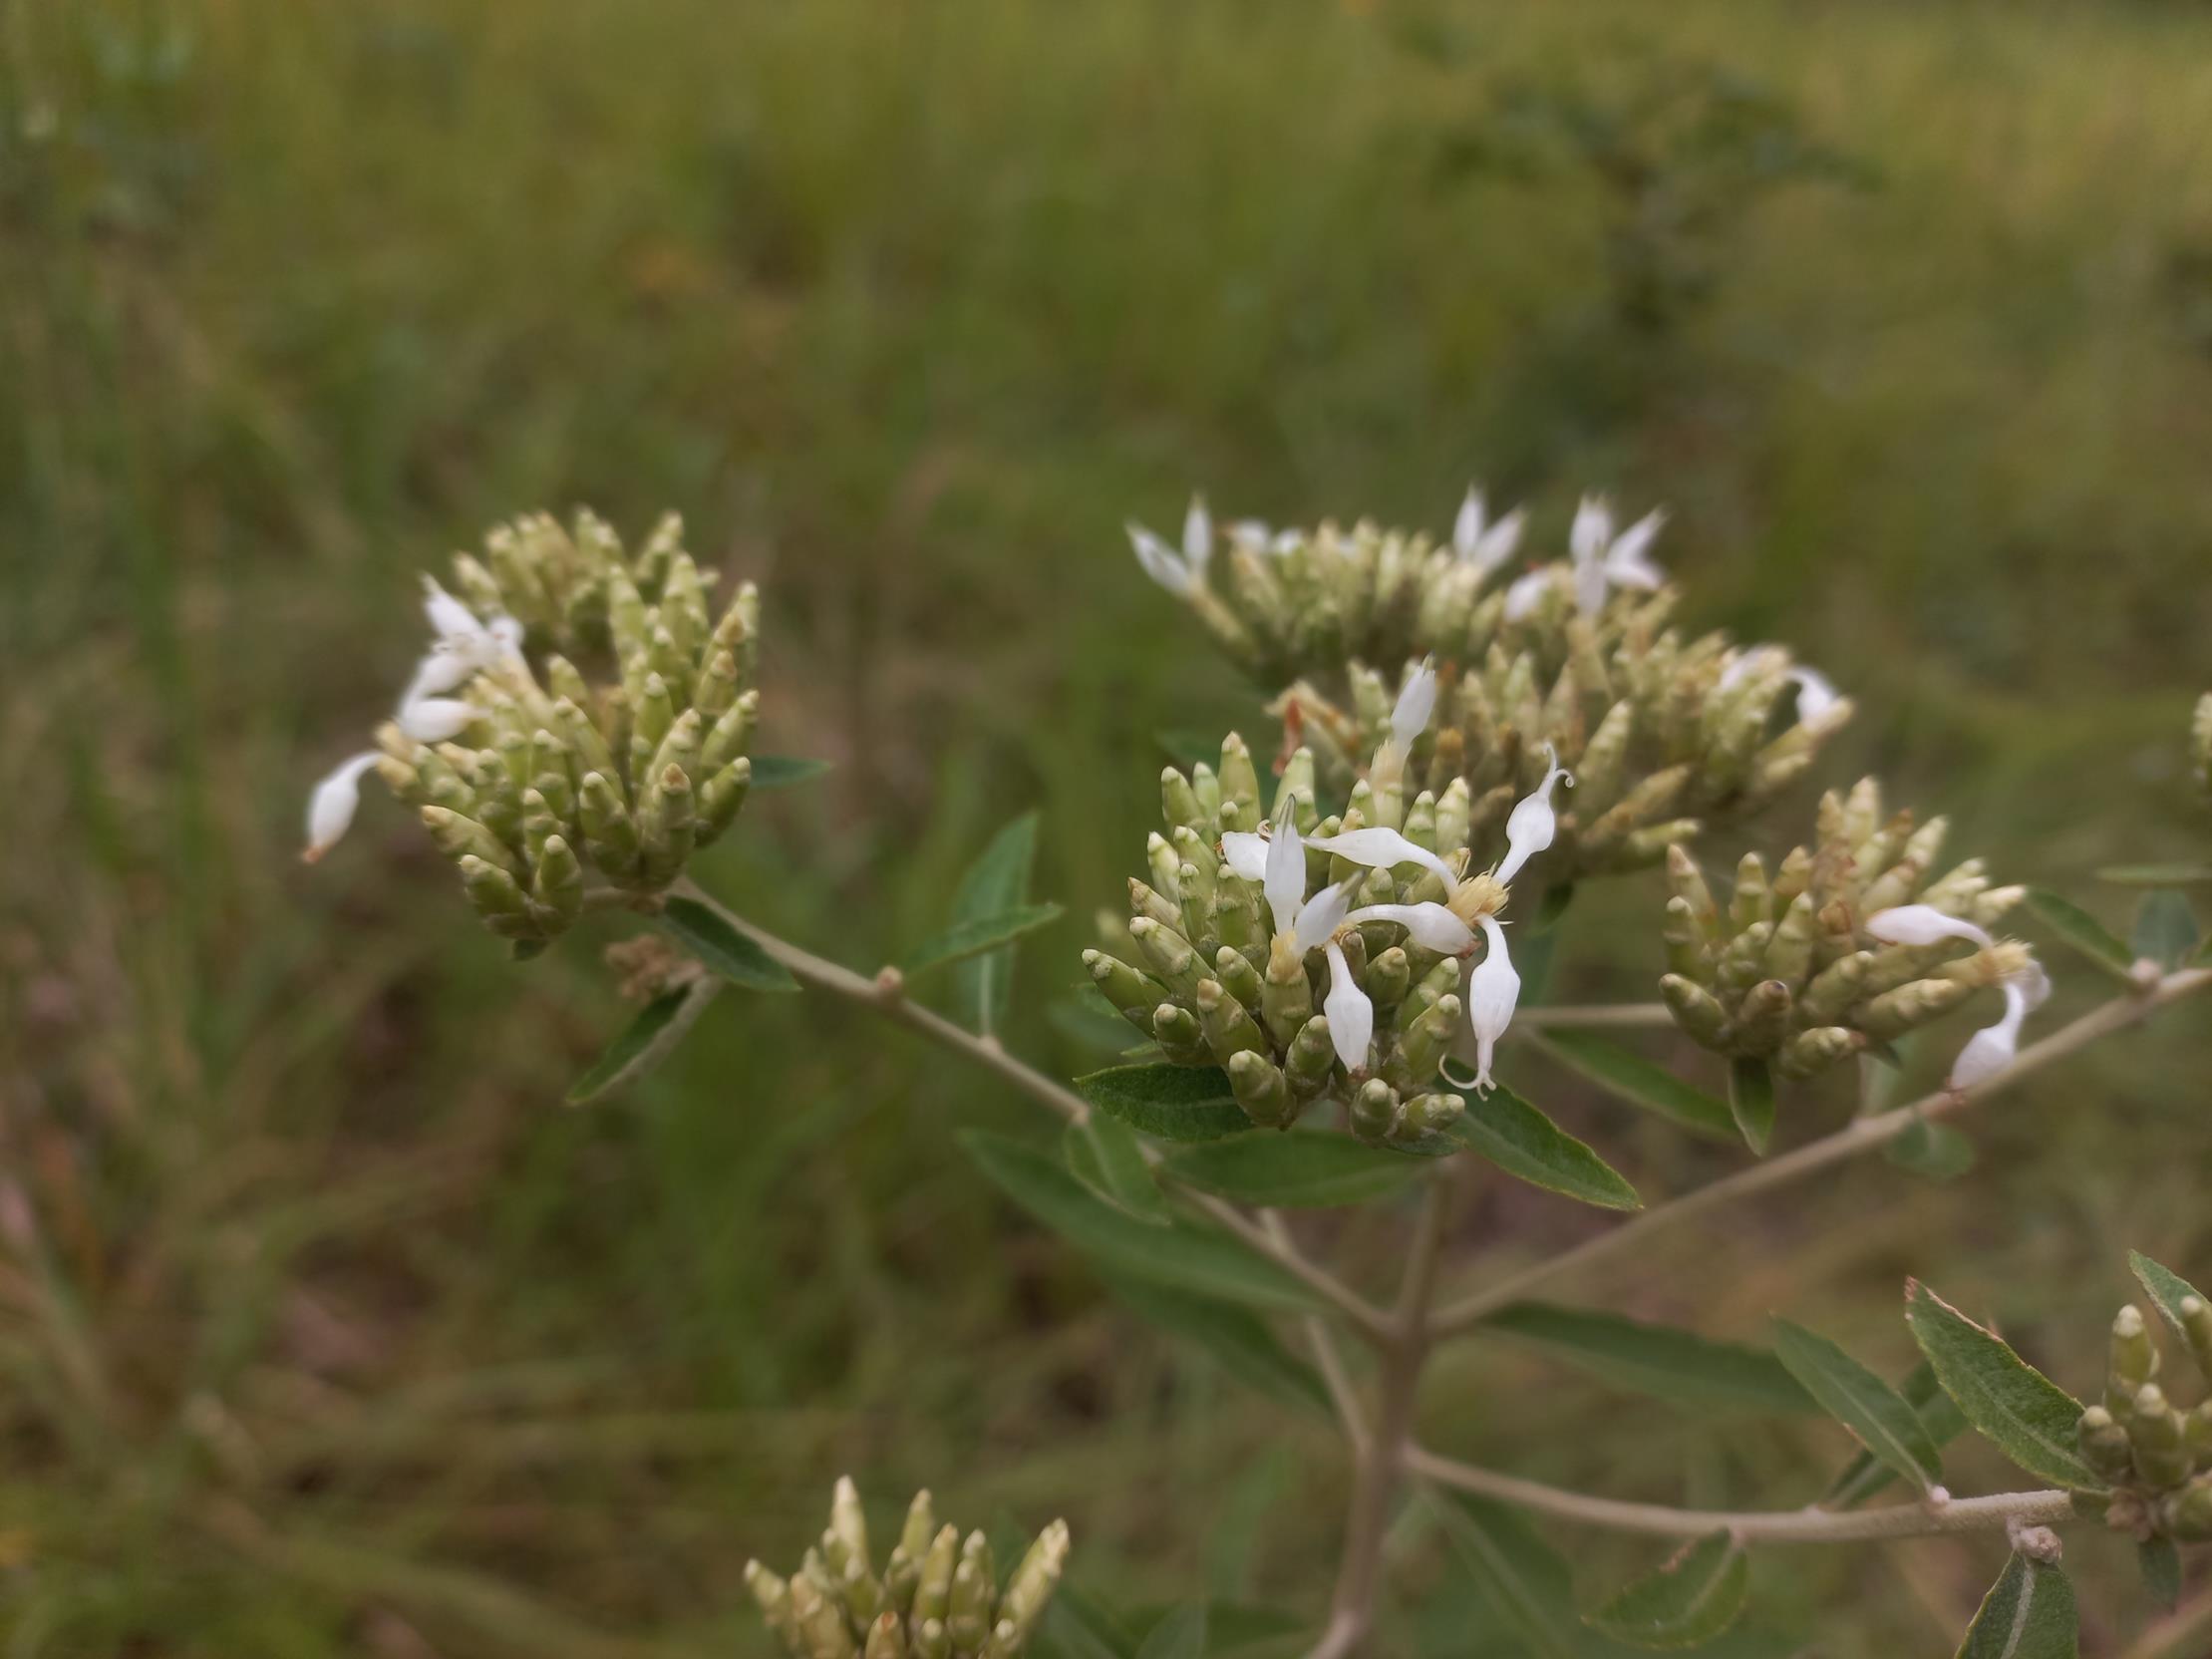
[
  {"x": 1810, "y": 1525},
  {"x": 1328, "y": 1357},
  {"x": 1861, "y": 1136},
  {"x": 1592, "y": 1016}
]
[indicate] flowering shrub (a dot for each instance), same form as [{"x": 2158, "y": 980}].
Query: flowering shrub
[{"x": 1319, "y": 986}]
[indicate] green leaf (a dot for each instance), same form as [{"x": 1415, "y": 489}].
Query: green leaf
[
  {"x": 2025, "y": 1414},
  {"x": 1934, "y": 1151},
  {"x": 1883, "y": 1422},
  {"x": 644, "y": 1042},
  {"x": 1658, "y": 1360},
  {"x": 2156, "y": 875},
  {"x": 1184, "y": 1255},
  {"x": 2083, "y": 931},
  {"x": 964, "y": 939},
  {"x": 2166, "y": 928},
  {"x": 1238, "y": 1339},
  {"x": 1105, "y": 1155},
  {"x": 1077, "y": 1627},
  {"x": 1169, "y": 1102},
  {"x": 1752, "y": 1101},
  {"x": 723, "y": 948},
  {"x": 1686, "y": 1603},
  {"x": 1180, "y": 1635},
  {"x": 1524, "y": 1580},
  {"x": 2028, "y": 1614},
  {"x": 780, "y": 772},
  {"x": 1525, "y": 1143},
  {"x": 1864, "y": 1475},
  {"x": 1301, "y": 1170},
  {"x": 2168, "y": 1289},
  {"x": 997, "y": 882},
  {"x": 1640, "y": 1082},
  {"x": 2160, "y": 1564}
]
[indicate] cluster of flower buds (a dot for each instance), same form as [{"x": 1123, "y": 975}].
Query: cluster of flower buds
[
  {"x": 1574, "y": 659},
  {"x": 1320, "y": 959},
  {"x": 527, "y": 770},
  {"x": 2157, "y": 1455},
  {"x": 1843, "y": 946},
  {"x": 936, "y": 1597}
]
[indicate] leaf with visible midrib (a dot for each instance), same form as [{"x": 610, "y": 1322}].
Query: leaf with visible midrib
[
  {"x": 1752, "y": 1101},
  {"x": 2016, "y": 1408},
  {"x": 1169, "y": 1102},
  {"x": 1301, "y": 1170},
  {"x": 1105, "y": 1155},
  {"x": 1523, "y": 1578},
  {"x": 644, "y": 1042},
  {"x": 2028, "y": 1614},
  {"x": 1695, "y": 1597},
  {"x": 1183, "y": 1255},
  {"x": 1658, "y": 1360},
  {"x": 997, "y": 882},
  {"x": 2083, "y": 931},
  {"x": 1640, "y": 1082},
  {"x": 2168, "y": 1289},
  {"x": 1884, "y": 1424},
  {"x": 1525, "y": 1143},
  {"x": 1939, "y": 1415},
  {"x": 732, "y": 954},
  {"x": 978, "y": 935}
]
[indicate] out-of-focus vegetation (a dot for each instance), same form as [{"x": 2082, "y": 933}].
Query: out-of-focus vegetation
[{"x": 324, "y": 1328}]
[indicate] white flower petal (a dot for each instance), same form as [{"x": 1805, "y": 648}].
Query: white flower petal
[
  {"x": 448, "y": 617},
  {"x": 1245, "y": 853},
  {"x": 331, "y": 808},
  {"x": 2035, "y": 985},
  {"x": 1466, "y": 529},
  {"x": 1285, "y": 874},
  {"x": 435, "y": 719},
  {"x": 1628, "y": 562},
  {"x": 1288, "y": 542},
  {"x": 1493, "y": 991},
  {"x": 1350, "y": 1016},
  {"x": 1197, "y": 538},
  {"x": 442, "y": 669},
  {"x": 1923, "y": 924},
  {"x": 1416, "y": 703},
  {"x": 1320, "y": 915},
  {"x": 1526, "y": 594},
  {"x": 1986, "y": 1053},
  {"x": 1161, "y": 562},
  {"x": 1430, "y": 925},
  {"x": 1816, "y": 693},
  {"x": 506, "y": 634},
  {"x": 1532, "y": 823},
  {"x": 1498, "y": 541},
  {"x": 1380, "y": 848},
  {"x": 1592, "y": 531},
  {"x": 1250, "y": 534}
]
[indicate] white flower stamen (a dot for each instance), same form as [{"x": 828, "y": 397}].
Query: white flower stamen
[
  {"x": 331, "y": 808},
  {"x": 1532, "y": 823},
  {"x": 1493, "y": 991}
]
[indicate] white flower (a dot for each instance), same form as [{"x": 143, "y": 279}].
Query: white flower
[
  {"x": 1527, "y": 592},
  {"x": 1182, "y": 573},
  {"x": 1416, "y": 703},
  {"x": 1532, "y": 823},
  {"x": 1923, "y": 924},
  {"x": 435, "y": 719},
  {"x": 1350, "y": 1016},
  {"x": 1816, "y": 693},
  {"x": 331, "y": 808},
  {"x": 1380, "y": 848},
  {"x": 1430, "y": 925},
  {"x": 1494, "y": 990},
  {"x": 1485, "y": 546},
  {"x": 1603, "y": 560},
  {"x": 1310, "y": 924},
  {"x": 1245, "y": 853},
  {"x": 1989, "y": 1049}
]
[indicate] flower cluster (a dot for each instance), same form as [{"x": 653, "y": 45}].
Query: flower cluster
[
  {"x": 1573, "y": 659},
  {"x": 936, "y": 1597},
  {"x": 1844, "y": 945},
  {"x": 2157, "y": 1455},
  {"x": 1320, "y": 958},
  {"x": 524, "y": 768}
]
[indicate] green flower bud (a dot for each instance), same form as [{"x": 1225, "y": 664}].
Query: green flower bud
[
  {"x": 2187, "y": 1515},
  {"x": 887, "y": 1638},
  {"x": 666, "y": 822},
  {"x": 974, "y": 1593},
  {"x": 1237, "y": 975},
  {"x": 1374, "y": 1109},
  {"x": 1429, "y": 1113},
  {"x": 1696, "y": 1010},
  {"x": 1427, "y": 1040},
  {"x": 1029, "y": 1590},
  {"x": 1229, "y": 1029},
  {"x": 610, "y": 835},
  {"x": 2196, "y": 1326},
  {"x": 1180, "y": 1035},
  {"x": 1388, "y": 979},
  {"x": 1168, "y": 954},
  {"x": 933, "y": 1589},
  {"x": 1809, "y": 1053},
  {"x": 721, "y": 800},
  {"x": 2104, "y": 1443},
  {"x": 1286, "y": 996},
  {"x": 1133, "y": 993},
  {"x": 1178, "y": 805},
  {"x": 2160, "y": 1439},
  {"x": 1260, "y": 1087},
  {"x": 1310, "y": 1060}
]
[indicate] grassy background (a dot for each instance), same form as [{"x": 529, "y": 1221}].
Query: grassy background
[{"x": 326, "y": 1330}]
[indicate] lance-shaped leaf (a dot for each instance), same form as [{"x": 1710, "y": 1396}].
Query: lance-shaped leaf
[
  {"x": 2028, "y": 1614},
  {"x": 1184, "y": 1255},
  {"x": 997, "y": 882},
  {"x": 644, "y": 1042},
  {"x": 1169, "y": 1102},
  {"x": 1864, "y": 1474},
  {"x": 1525, "y": 1143},
  {"x": 1105, "y": 1155},
  {"x": 1078, "y": 1627},
  {"x": 1686, "y": 1603},
  {"x": 2160, "y": 1564},
  {"x": 1527, "y": 1585},
  {"x": 2076, "y": 927},
  {"x": 2166, "y": 928},
  {"x": 1235, "y": 1337},
  {"x": 1658, "y": 1360},
  {"x": 2168, "y": 1289},
  {"x": 978, "y": 935},
  {"x": 1873, "y": 1411},
  {"x": 1752, "y": 1101},
  {"x": 2025, "y": 1414},
  {"x": 2156, "y": 875},
  {"x": 1180, "y": 1635},
  {"x": 723, "y": 950},
  {"x": 1302, "y": 1169},
  {"x": 1640, "y": 1082},
  {"x": 780, "y": 772}
]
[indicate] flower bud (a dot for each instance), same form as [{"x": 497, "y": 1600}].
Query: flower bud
[{"x": 2104, "y": 1443}]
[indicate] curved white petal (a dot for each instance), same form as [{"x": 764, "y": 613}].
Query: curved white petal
[
  {"x": 1161, "y": 562},
  {"x": 1252, "y": 535},
  {"x": 1430, "y": 925},
  {"x": 435, "y": 719},
  {"x": 1466, "y": 529},
  {"x": 1284, "y": 877},
  {"x": 1245, "y": 853},
  {"x": 1532, "y": 823},
  {"x": 448, "y": 617},
  {"x": 1526, "y": 594},
  {"x": 1816, "y": 693},
  {"x": 2035, "y": 986},
  {"x": 1416, "y": 703},
  {"x": 1923, "y": 924},
  {"x": 442, "y": 669},
  {"x": 1493, "y": 991},
  {"x": 1380, "y": 848},
  {"x": 1320, "y": 915},
  {"x": 1628, "y": 563},
  {"x": 1351, "y": 1015},
  {"x": 330, "y": 808},
  {"x": 1592, "y": 531},
  {"x": 1498, "y": 541},
  {"x": 1197, "y": 538}
]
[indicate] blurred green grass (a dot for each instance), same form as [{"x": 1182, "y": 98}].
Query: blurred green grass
[{"x": 326, "y": 1330}]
